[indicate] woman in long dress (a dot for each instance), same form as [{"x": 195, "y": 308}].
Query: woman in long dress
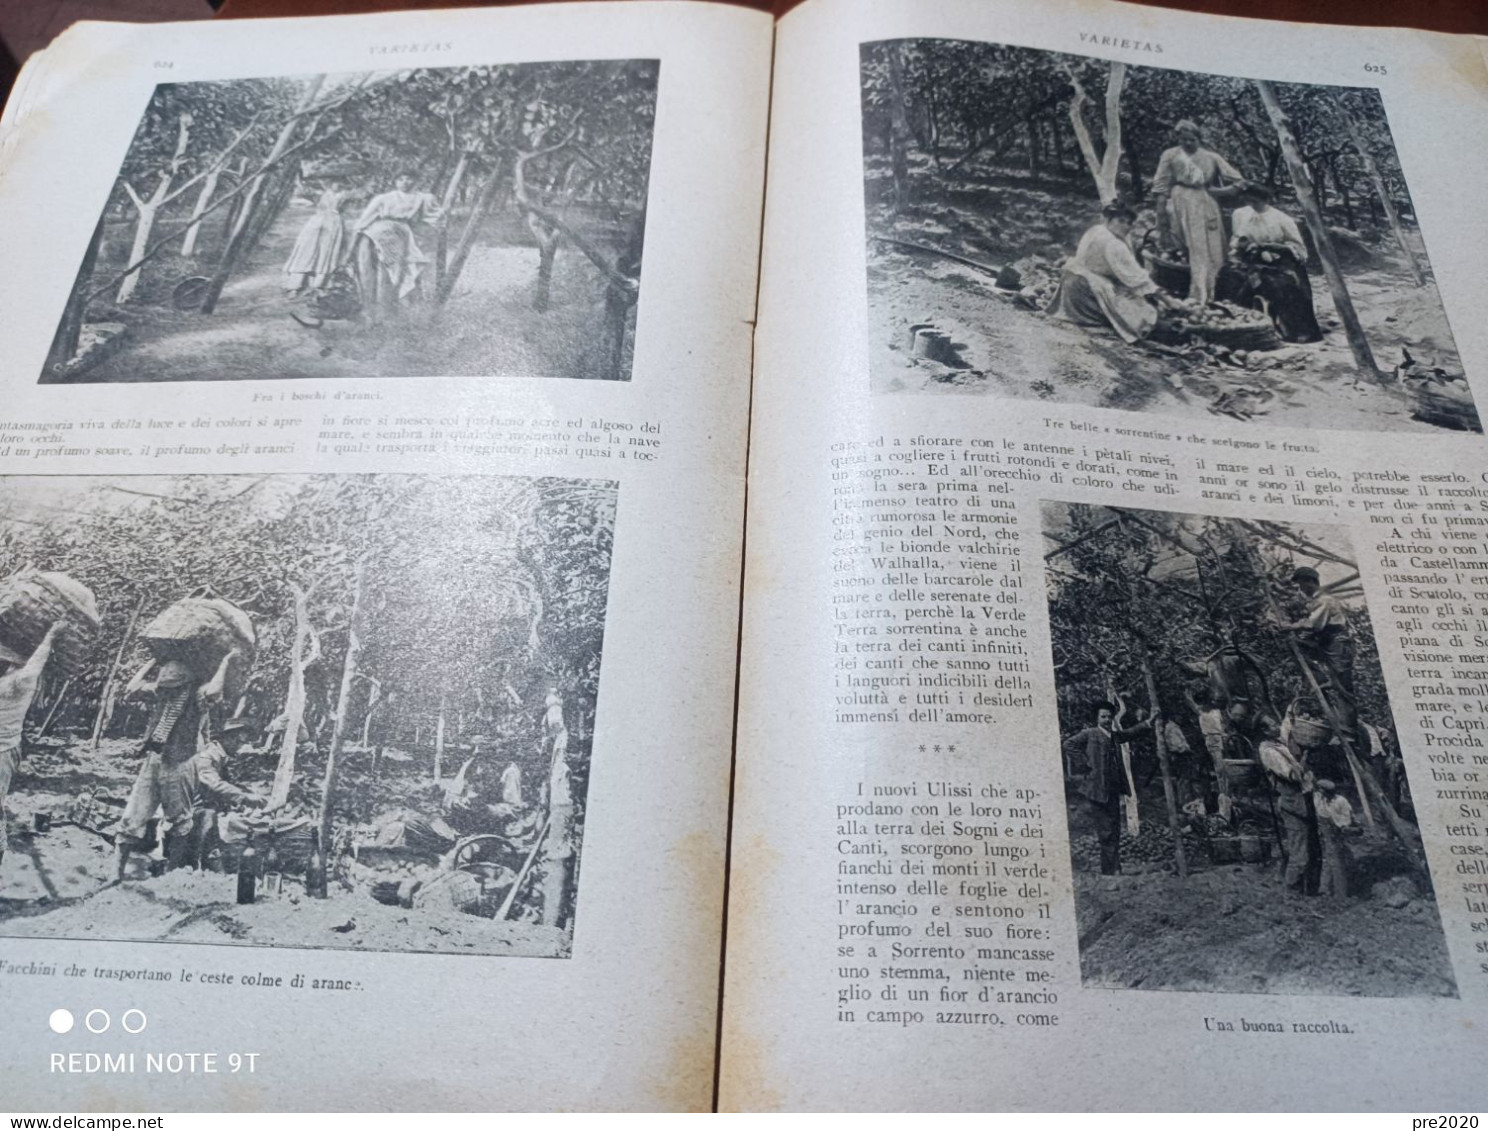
[
  {"x": 1267, "y": 247},
  {"x": 1189, "y": 182},
  {"x": 389, "y": 260},
  {"x": 317, "y": 249},
  {"x": 1104, "y": 285}
]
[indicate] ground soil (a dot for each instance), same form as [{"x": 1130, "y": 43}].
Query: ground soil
[
  {"x": 487, "y": 328},
  {"x": 1012, "y": 350},
  {"x": 61, "y": 883},
  {"x": 1233, "y": 928}
]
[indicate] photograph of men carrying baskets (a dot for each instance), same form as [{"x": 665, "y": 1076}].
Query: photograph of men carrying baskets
[
  {"x": 349, "y": 711},
  {"x": 1239, "y": 814},
  {"x": 1064, "y": 228}
]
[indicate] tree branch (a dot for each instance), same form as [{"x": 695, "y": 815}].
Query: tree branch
[
  {"x": 216, "y": 165},
  {"x": 225, "y": 198}
]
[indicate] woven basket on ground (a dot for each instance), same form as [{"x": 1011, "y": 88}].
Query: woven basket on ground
[
  {"x": 1243, "y": 773},
  {"x": 31, "y": 601}
]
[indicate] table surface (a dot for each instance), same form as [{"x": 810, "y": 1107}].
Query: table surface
[{"x": 1437, "y": 15}]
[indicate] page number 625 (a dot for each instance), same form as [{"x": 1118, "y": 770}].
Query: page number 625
[{"x": 1375, "y": 68}]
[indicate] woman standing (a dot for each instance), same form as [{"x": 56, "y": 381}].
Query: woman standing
[
  {"x": 1189, "y": 182},
  {"x": 317, "y": 250},
  {"x": 389, "y": 260}
]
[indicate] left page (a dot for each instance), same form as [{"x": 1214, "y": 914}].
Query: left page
[{"x": 373, "y": 399}]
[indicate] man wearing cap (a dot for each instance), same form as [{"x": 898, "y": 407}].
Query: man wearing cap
[
  {"x": 1104, "y": 285},
  {"x": 207, "y": 772},
  {"x": 1323, "y": 635},
  {"x": 172, "y": 736},
  {"x": 18, "y": 683},
  {"x": 211, "y": 790},
  {"x": 1293, "y": 784}
]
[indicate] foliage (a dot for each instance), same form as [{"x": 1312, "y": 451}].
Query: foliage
[
  {"x": 1001, "y": 107},
  {"x": 1179, "y": 587},
  {"x": 481, "y": 591},
  {"x": 592, "y": 120},
  {"x": 217, "y": 112}
]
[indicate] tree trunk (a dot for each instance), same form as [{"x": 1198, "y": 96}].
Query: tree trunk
[
  {"x": 1057, "y": 129},
  {"x": 106, "y": 698},
  {"x": 1138, "y": 190},
  {"x": 142, "y": 229},
  {"x": 1319, "y": 181},
  {"x": 619, "y": 303},
  {"x": 343, "y": 703},
  {"x": 439, "y": 740},
  {"x": 1382, "y": 195},
  {"x": 294, "y": 700},
  {"x": 233, "y": 248},
  {"x": 203, "y": 198},
  {"x": 1170, "y": 798},
  {"x": 473, "y": 222},
  {"x": 149, "y": 209},
  {"x": 1358, "y": 343},
  {"x": 899, "y": 135},
  {"x": 70, "y": 329},
  {"x": 1341, "y": 187},
  {"x": 441, "y": 236},
  {"x": 374, "y": 700},
  {"x": 547, "y": 252},
  {"x": 276, "y": 198},
  {"x": 1369, "y": 788},
  {"x": 932, "y": 124},
  {"x": 46, "y": 724},
  {"x": 1105, "y": 166}
]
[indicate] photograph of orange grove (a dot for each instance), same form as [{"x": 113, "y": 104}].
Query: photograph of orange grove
[
  {"x": 323, "y": 711},
  {"x": 1055, "y": 227},
  {"x": 471, "y": 221}
]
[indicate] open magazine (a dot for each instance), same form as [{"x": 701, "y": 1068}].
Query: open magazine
[{"x": 394, "y": 714}]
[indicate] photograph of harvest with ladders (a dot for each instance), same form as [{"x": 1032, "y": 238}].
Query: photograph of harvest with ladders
[
  {"x": 1240, "y": 817},
  {"x": 341, "y": 711}
]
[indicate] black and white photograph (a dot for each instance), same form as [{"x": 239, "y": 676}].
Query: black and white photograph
[
  {"x": 436, "y": 221},
  {"x": 1239, "y": 815},
  {"x": 323, "y": 711},
  {"x": 1060, "y": 228}
]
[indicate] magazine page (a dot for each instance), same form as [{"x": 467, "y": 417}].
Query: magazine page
[
  {"x": 374, "y": 403},
  {"x": 1115, "y": 637}
]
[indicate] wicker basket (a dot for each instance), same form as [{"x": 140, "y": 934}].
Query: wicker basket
[
  {"x": 31, "y": 601},
  {"x": 1311, "y": 732},
  {"x": 1242, "y": 772},
  {"x": 1254, "y": 849},
  {"x": 199, "y": 630},
  {"x": 1171, "y": 275},
  {"x": 1224, "y": 849}
]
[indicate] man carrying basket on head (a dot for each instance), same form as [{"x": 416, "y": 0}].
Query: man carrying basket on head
[
  {"x": 172, "y": 738},
  {"x": 18, "y": 683}
]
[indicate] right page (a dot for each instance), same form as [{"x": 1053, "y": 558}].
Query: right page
[{"x": 1115, "y": 657}]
